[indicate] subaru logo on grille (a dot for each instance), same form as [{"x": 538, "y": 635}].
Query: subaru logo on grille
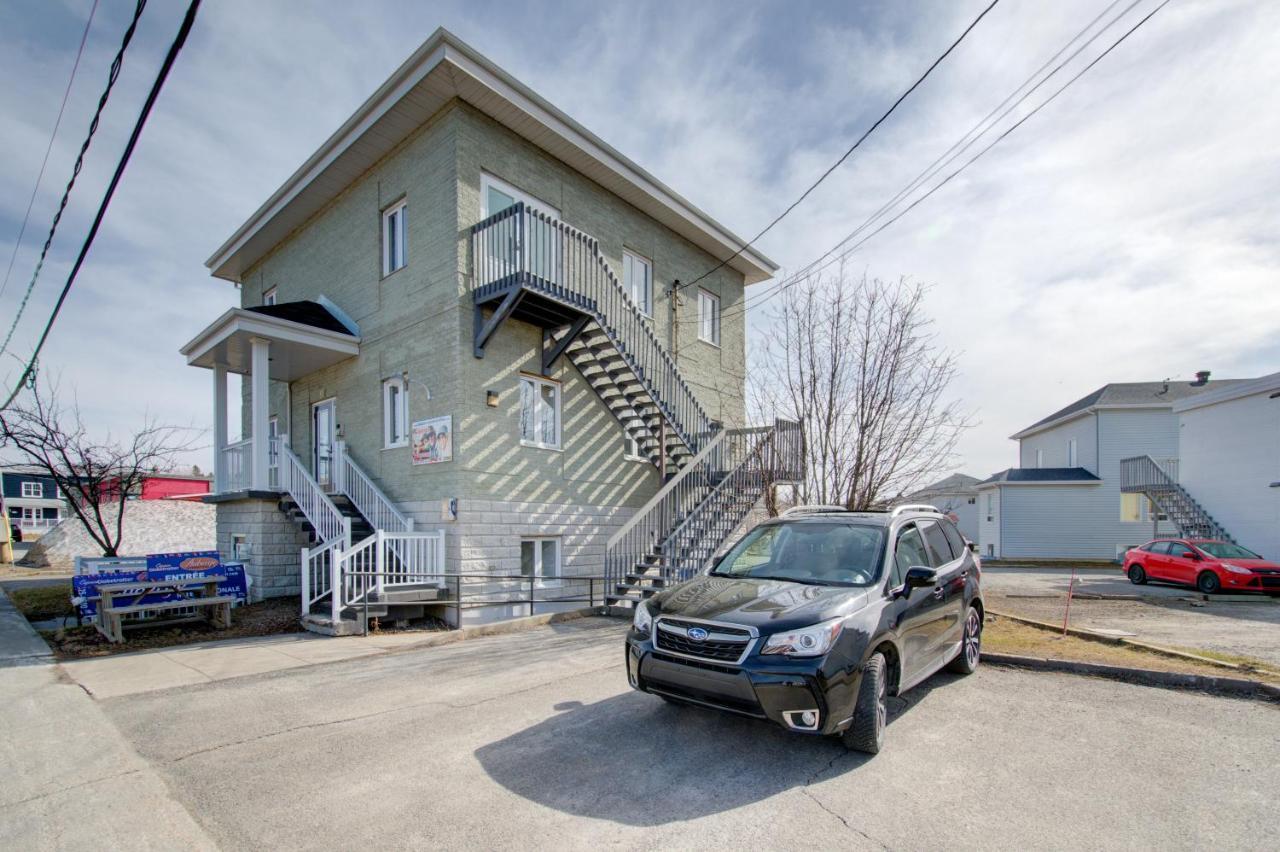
[{"x": 697, "y": 634}]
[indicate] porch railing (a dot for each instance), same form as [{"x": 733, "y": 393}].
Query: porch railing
[
  {"x": 1143, "y": 473},
  {"x": 521, "y": 246},
  {"x": 237, "y": 466},
  {"x": 386, "y": 560},
  {"x": 376, "y": 507},
  {"x": 319, "y": 565}
]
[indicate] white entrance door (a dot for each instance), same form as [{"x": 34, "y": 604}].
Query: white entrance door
[{"x": 323, "y": 437}]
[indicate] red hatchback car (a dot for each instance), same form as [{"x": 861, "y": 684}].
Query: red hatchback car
[{"x": 1210, "y": 566}]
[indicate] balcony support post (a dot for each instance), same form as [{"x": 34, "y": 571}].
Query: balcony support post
[
  {"x": 557, "y": 348},
  {"x": 219, "y": 427},
  {"x": 486, "y": 328}
]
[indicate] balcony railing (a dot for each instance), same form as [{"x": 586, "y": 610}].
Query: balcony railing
[
  {"x": 520, "y": 246},
  {"x": 237, "y": 466}
]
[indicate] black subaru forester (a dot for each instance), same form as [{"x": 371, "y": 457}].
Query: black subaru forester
[{"x": 814, "y": 618}]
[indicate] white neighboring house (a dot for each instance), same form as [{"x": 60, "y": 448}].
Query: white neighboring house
[
  {"x": 956, "y": 495},
  {"x": 32, "y": 500},
  {"x": 1065, "y": 500},
  {"x": 1229, "y": 459}
]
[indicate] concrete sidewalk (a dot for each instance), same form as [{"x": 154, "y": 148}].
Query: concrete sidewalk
[
  {"x": 206, "y": 662},
  {"x": 71, "y": 781}
]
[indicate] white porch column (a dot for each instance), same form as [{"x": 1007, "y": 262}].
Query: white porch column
[
  {"x": 259, "y": 376},
  {"x": 219, "y": 427}
]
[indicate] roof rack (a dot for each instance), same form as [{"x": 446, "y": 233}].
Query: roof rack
[
  {"x": 812, "y": 510},
  {"x": 914, "y": 507}
]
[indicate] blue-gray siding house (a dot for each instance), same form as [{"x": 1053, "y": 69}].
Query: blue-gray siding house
[{"x": 1064, "y": 501}]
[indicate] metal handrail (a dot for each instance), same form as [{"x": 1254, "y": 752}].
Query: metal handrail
[
  {"x": 522, "y": 246},
  {"x": 672, "y": 484}
]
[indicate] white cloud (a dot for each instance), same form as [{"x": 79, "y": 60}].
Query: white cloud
[{"x": 1125, "y": 233}]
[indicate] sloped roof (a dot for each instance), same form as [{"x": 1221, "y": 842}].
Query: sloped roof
[
  {"x": 954, "y": 482},
  {"x": 1041, "y": 474},
  {"x": 1127, "y": 394},
  {"x": 442, "y": 69},
  {"x": 313, "y": 314}
]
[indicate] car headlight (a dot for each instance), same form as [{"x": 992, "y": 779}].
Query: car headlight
[
  {"x": 807, "y": 642},
  {"x": 1236, "y": 569},
  {"x": 643, "y": 619}
]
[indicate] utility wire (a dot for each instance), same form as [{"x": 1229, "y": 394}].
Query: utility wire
[
  {"x": 52, "y": 136},
  {"x": 825, "y": 260},
  {"x": 112, "y": 75},
  {"x": 849, "y": 152},
  {"x": 178, "y": 41}
]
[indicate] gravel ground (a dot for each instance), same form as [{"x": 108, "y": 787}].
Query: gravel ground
[{"x": 1162, "y": 615}]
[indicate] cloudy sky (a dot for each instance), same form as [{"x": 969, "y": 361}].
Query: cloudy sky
[{"x": 1127, "y": 232}]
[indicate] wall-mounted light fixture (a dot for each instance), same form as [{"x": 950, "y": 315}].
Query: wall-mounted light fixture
[{"x": 491, "y": 399}]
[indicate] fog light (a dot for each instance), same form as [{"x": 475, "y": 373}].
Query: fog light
[
  {"x": 801, "y": 720},
  {"x": 809, "y": 718}
]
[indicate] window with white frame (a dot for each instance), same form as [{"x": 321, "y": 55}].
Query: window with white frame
[
  {"x": 33, "y": 489},
  {"x": 394, "y": 243},
  {"x": 269, "y": 297},
  {"x": 540, "y": 558},
  {"x": 709, "y": 317},
  {"x": 1039, "y": 458},
  {"x": 539, "y": 412},
  {"x": 1072, "y": 459},
  {"x": 395, "y": 413},
  {"x": 240, "y": 551},
  {"x": 633, "y": 448},
  {"x": 637, "y": 278}
]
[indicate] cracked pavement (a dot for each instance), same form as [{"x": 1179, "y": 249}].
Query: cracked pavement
[{"x": 534, "y": 740}]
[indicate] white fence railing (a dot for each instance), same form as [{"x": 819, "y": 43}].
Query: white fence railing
[
  {"x": 237, "y": 466},
  {"x": 376, "y": 507},
  {"x": 328, "y": 522},
  {"x": 319, "y": 566},
  {"x": 382, "y": 561}
]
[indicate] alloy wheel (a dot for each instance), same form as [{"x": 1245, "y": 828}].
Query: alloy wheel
[{"x": 972, "y": 638}]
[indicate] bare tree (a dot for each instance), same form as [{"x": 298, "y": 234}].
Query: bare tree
[
  {"x": 856, "y": 364},
  {"x": 96, "y": 475}
]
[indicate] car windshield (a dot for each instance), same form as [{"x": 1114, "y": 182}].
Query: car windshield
[
  {"x": 1226, "y": 550},
  {"x": 827, "y": 554}
]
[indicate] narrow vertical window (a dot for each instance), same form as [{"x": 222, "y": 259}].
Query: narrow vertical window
[
  {"x": 637, "y": 280},
  {"x": 709, "y": 317},
  {"x": 395, "y": 413},
  {"x": 1039, "y": 458},
  {"x": 269, "y": 297},
  {"x": 539, "y": 413},
  {"x": 394, "y": 244},
  {"x": 1072, "y": 461}
]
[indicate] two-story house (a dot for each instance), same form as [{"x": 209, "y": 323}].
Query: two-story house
[
  {"x": 32, "y": 500},
  {"x": 1066, "y": 499},
  {"x": 470, "y": 351}
]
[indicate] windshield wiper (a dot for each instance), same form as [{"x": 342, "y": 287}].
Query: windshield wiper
[{"x": 803, "y": 582}]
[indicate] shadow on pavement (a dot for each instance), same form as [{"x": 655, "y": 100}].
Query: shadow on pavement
[{"x": 636, "y": 760}]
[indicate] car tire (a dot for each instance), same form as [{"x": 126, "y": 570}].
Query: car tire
[
  {"x": 966, "y": 662},
  {"x": 1208, "y": 583},
  {"x": 866, "y": 733},
  {"x": 1137, "y": 575}
]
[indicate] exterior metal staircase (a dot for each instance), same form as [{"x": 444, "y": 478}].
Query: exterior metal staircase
[
  {"x": 533, "y": 267},
  {"x": 1158, "y": 480}
]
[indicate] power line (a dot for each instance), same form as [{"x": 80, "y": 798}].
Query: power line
[
  {"x": 112, "y": 75},
  {"x": 52, "y": 136},
  {"x": 163, "y": 74},
  {"x": 823, "y": 262},
  {"x": 849, "y": 152}
]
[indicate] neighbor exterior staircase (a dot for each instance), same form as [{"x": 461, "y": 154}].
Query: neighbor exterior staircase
[
  {"x": 533, "y": 267},
  {"x": 1158, "y": 480}
]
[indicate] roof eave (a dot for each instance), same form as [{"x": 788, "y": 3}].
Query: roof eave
[{"x": 443, "y": 46}]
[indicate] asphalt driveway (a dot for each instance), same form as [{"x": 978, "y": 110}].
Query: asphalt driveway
[{"x": 533, "y": 740}]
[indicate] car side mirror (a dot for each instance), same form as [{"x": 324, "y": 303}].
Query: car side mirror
[
  {"x": 1193, "y": 556},
  {"x": 973, "y": 547},
  {"x": 918, "y": 577}
]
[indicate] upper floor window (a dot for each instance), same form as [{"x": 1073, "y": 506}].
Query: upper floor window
[
  {"x": 395, "y": 413},
  {"x": 1039, "y": 458},
  {"x": 394, "y": 244},
  {"x": 1072, "y": 459},
  {"x": 637, "y": 279},
  {"x": 33, "y": 489},
  {"x": 709, "y": 317},
  {"x": 539, "y": 412},
  {"x": 269, "y": 297}
]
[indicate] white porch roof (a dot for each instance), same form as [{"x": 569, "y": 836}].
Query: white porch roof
[{"x": 296, "y": 348}]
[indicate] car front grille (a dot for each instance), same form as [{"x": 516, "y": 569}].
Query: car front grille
[{"x": 724, "y": 643}]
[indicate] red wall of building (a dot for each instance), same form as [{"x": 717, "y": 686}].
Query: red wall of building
[{"x": 160, "y": 489}]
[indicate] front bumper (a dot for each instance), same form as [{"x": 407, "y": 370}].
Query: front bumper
[{"x": 781, "y": 690}]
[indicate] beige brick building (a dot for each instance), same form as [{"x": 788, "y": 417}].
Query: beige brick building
[{"x": 459, "y": 335}]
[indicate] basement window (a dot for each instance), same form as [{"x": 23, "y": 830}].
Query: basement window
[
  {"x": 540, "y": 558},
  {"x": 394, "y": 243}
]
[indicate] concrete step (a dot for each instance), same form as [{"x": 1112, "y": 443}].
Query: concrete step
[{"x": 326, "y": 626}]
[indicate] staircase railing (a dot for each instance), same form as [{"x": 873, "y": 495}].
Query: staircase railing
[
  {"x": 386, "y": 560},
  {"x": 375, "y": 506},
  {"x": 316, "y": 506},
  {"x": 319, "y": 568},
  {"x": 745, "y": 459},
  {"x": 521, "y": 246},
  {"x": 1159, "y": 481}
]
